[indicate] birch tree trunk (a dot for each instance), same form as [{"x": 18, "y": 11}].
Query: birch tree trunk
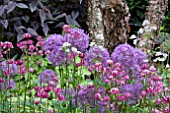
[
  {"x": 108, "y": 22},
  {"x": 154, "y": 16}
]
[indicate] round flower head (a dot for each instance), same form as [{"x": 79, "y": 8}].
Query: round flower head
[
  {"x": 11, "y": 67},
  {"x": 10, "y": 84},
  {"x": 129, "y": 57},
  {"x": 97, "y": 54},
  {"x": 57, "y": 56},
  {"x": 46, "y": 76},
  {"x": 78, "y": 39},
  {"x": 53, "y": 42}
]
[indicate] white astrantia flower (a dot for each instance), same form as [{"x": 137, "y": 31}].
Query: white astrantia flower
[
  {"x": 135, "y": 41},
  {"x": 66, "y": 44},
  {"x": 165, "y": 55},
  {"x": 158, "y": 53},
  {"x": 101, "y": 48},
  {"x": 74, "y": 49},
  {"x": 67, "y": 50},
  {"x": 92, "y": 44},
  {"x": 167, "y": 65},
  {"x": 147, "y": 29},
  {"x": 154, "y": 28},
  {"x": 161, "y": 59},
  {"x": 146, "y": 22},
  {"x": 133, "y": 37},
  {"x": 146, "y": 60},
  {"x": 141, "y": 31}
]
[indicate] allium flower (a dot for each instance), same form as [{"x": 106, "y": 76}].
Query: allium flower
[
  {"x": 53, "y": 42},
  {"x": 78, "y": 39},
  {"x": 134, "y": 89},
  {"x": 129, "y": 57},
  {"x": 12, "y": 68},
  {"x": 10, "y": 84},
  {"x": 96, "y": 54},
  {"x": 57, "y": 56},
  {"x": 46, "y": 76}
]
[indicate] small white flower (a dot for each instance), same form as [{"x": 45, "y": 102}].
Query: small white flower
[
  {"x": 141, "y": 31},
  {"x": 147, "y": 29},
  {"x": 67, "y": 50},
  {"x": 92, "y": 44},
  {"x": 133, "y": 37},
  {"x": 167, "y": 65},
  {"x": 66, "y": 44},
  {"x": 146, "y": 22},
  {"x": 161, "y": 59},
  {"x": 165, "y": 55},
  {"x": 155, "y": 60},
  {"x": 74, "y": 49},
  {"x": 146, "y": 60},
  {"x": 101, "y": 48},
  {"x": 135, "y": 41},
  {"x": 158, "y": 53}
]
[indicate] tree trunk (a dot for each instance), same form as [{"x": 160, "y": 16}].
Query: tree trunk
[
  {"x": 108, "y": 21},
  {"x": 154, "y": 16},
  {"x": 95, "y": 22}
]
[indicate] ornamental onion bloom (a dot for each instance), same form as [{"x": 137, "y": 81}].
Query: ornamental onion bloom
[
  {"x": 129, "y": 57},
  {"x": 53, "y": 42},
  {"x": 12, "y": 68},
  {"x": 78, "y": 39},
  {"x": 46, "y": 76},
  {"x": 97, "y": 54},
  {"x": 10, "y": 84}
]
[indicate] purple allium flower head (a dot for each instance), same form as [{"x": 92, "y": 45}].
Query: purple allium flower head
[
  {"x": 53, "y": 42},
  {"x": 10, "y": 84},
  {"x": 129, "y": 57},
  {"x": 134, "y": 89},
  {"x": 97, "y": 54},
  {"x": 11, "y": 67},
  {"x": 78, "y": 39},
  {"x": 46, "y": 76},
  {"x": 57, "y": 56}
]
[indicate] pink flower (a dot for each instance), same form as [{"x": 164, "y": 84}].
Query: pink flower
[
  {"x": 31, "y": 70},
  {"x": 114, "y": 91},
  {"x": 127, "y": 95},
  {"x": 98, "y": 96},
  {"x": 36, "y": 102},
  {"x": 26, "y": 35}
]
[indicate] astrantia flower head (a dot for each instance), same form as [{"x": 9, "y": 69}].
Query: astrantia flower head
[
  {"x": 53, "y": 42},
  {"x": 96, "y": 54},
  {"x": 78, "y": 39},
  {"x": 46, "y": 76}
]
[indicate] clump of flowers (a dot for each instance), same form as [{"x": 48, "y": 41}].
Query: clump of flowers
[
  {"x": 77, "y": 38},
  {"x": 97, "y": 54},
  {"x": 9, "y": 68},
  {"x": 129, "y": 57},
  {"x": 48, "y": 77}
]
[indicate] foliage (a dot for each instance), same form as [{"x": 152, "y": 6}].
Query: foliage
[{"x": 39, "y": 17}]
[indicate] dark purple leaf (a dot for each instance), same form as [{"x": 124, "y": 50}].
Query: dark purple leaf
[
  {"x": 19, "y": 37},
  {"x": 32, "y": 31},
  {"x": 45, "y": 29},
  {"x": 1, "y": 10},
  {"x": 11, "y": 6},
  {"x": 69, "y": 20},
  {"x": 21, "y": 5},
  {"x": 76, "y": 24},
  {"x": 33, "y": 6},
  {"x": 74, "y": 14},
  {"x": 4, "y": 23},
  {"x": 42, "y": 15},
  {"x": 60, "y": 16},
  {"x": 35, "y": 25},
  {"x": 22, "y": 27},
  {"x": 26, "y": 18},
  {"x": 59, "y": 24}
]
